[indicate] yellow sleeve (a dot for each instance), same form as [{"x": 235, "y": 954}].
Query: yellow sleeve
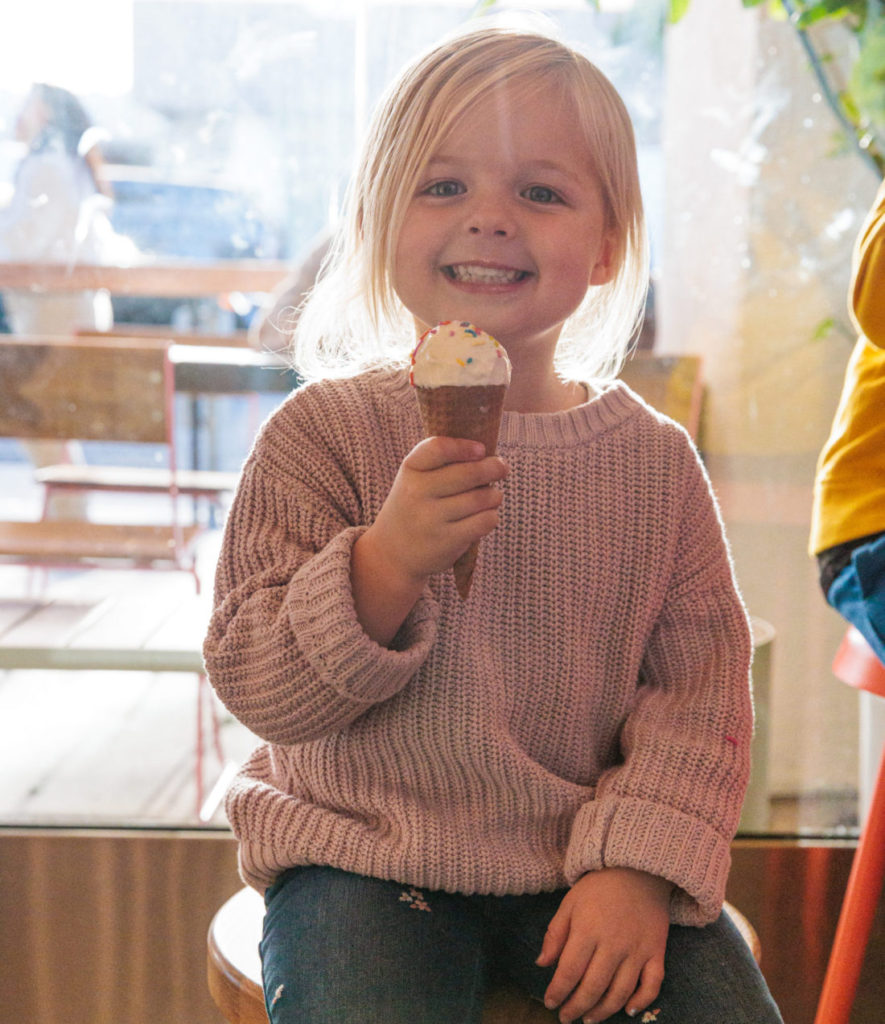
[{"x": 867, "y": 290}]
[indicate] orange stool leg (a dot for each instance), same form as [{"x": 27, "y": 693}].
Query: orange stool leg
[{"x": 856, "y": 917}]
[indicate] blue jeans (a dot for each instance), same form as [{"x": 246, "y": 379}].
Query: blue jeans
[
  {"x": 339, "y": 947},
  {"x": 858, "y": 593}
]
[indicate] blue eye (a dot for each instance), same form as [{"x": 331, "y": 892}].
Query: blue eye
[
  {"x": 444, "y": 189},
  {"x": 541, "y": 194}
]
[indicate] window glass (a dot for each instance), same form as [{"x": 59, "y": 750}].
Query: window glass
[{"x": 227, "y": 132}]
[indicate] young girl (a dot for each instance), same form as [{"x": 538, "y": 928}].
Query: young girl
[{"x": 544, "y": 779}]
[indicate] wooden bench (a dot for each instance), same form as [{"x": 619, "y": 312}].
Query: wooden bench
[
  {"x": 108, "y": 390},
  {"x": 211, "y": 485}
]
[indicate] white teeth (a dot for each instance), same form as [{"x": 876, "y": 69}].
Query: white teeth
[{"x": 471, "y": 273}]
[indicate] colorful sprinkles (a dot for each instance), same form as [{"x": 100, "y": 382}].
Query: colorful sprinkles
[{"x": 467, "y": 328}]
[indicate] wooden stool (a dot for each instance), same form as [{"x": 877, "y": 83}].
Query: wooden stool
[
  {"x": 856, "y": 664},
  {"x": 234, "y": 968}
]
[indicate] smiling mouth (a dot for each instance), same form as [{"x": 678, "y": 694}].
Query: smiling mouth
[{"x": 470, "y": 273}]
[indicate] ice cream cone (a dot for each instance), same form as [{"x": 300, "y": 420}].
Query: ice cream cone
[
  {"x": 460, "y": 375},
  {"x": 474, "y": 413}
]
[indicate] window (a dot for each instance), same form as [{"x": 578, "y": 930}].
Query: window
[{"x": 228, "y": 130}]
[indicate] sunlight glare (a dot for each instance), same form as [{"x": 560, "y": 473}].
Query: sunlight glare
[{"x": 85, "y": 46}]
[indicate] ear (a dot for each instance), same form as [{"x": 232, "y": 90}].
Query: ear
[{"x": 604, "y": 268}]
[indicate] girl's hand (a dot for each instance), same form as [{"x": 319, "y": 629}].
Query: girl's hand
[
  {"x": 439, "y": 504},
  {"x": 608, "y": 936}
]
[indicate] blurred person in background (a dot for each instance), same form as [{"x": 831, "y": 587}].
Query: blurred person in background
[{"x": 58, "y": 213}]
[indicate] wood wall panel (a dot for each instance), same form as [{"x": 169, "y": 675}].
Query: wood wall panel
[{"x": 110, "y": 927}]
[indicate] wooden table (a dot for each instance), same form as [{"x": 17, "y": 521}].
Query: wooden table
[
  {"x": 203, "y": 372},
  {"x": 139, "y": 630},
  {"x": 217, "y": 370},
  {"x": 173, "y": 278}
]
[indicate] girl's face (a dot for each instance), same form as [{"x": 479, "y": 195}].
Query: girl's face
[{"x": 507, "y": 227}]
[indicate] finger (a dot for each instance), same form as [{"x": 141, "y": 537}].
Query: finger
[
  {"x": 585, "y": 981},
  {"x": 463, "y": 535},
  {"x": 575, "y": 966},
  {"x": 554, "y": 939},
  {"x": 460, "y": 477},
  {"x": 434, "y": 452},
  {"x": 621, "y": 987},
  {"x": 650, "y": 981},
  {"x": 465, "y": 505}
]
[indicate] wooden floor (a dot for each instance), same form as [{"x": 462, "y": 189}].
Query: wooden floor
[
  {"x": 109, "y": 748},
  {"x": 112, "y": 748}
]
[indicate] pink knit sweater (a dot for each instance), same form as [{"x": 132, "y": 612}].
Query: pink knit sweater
[{"x": 587, "y": 706}]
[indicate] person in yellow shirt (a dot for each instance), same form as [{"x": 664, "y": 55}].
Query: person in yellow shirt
[{"x": 848, "y": 513}]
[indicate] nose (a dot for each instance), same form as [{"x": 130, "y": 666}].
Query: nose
[
  {"x": 489, "y": 215},
  {"x": 475, "y": 229}
]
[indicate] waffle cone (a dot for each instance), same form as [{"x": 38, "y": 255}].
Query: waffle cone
[{"x": 472, "y": 412}]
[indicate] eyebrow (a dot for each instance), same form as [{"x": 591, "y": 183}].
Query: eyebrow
[{"x": 541, "y": 165}]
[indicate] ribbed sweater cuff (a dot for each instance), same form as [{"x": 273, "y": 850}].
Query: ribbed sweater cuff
[
  {"x": 661, "y": 840},
  {"x": 323, "y": 617}
]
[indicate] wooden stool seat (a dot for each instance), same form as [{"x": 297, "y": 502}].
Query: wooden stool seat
[
  {"x": 234, "y": 968},
  {"x": 857, "y": 665}
]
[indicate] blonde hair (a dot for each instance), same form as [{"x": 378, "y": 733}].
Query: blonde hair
[{"x": 353, "y": 319}]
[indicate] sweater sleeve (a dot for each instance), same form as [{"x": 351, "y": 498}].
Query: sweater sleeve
[
  {"x": 284, "y": 650},
  {"x": 866, "y": 295},
  {"x": 671, "y": 805}
]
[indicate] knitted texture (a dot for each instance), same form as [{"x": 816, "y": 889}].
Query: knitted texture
[{"x": 587, "y": 706}]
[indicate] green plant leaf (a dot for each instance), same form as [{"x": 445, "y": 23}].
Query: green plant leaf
[
  {"x": 826, "y": 10},
  {"x": 676, "y": 9},
  {"x": 480, "y": 8},
  {"x": 868, "y": 76},
  {"x": 849, "y": 105},
  {"x": 824, "y": 328}
]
